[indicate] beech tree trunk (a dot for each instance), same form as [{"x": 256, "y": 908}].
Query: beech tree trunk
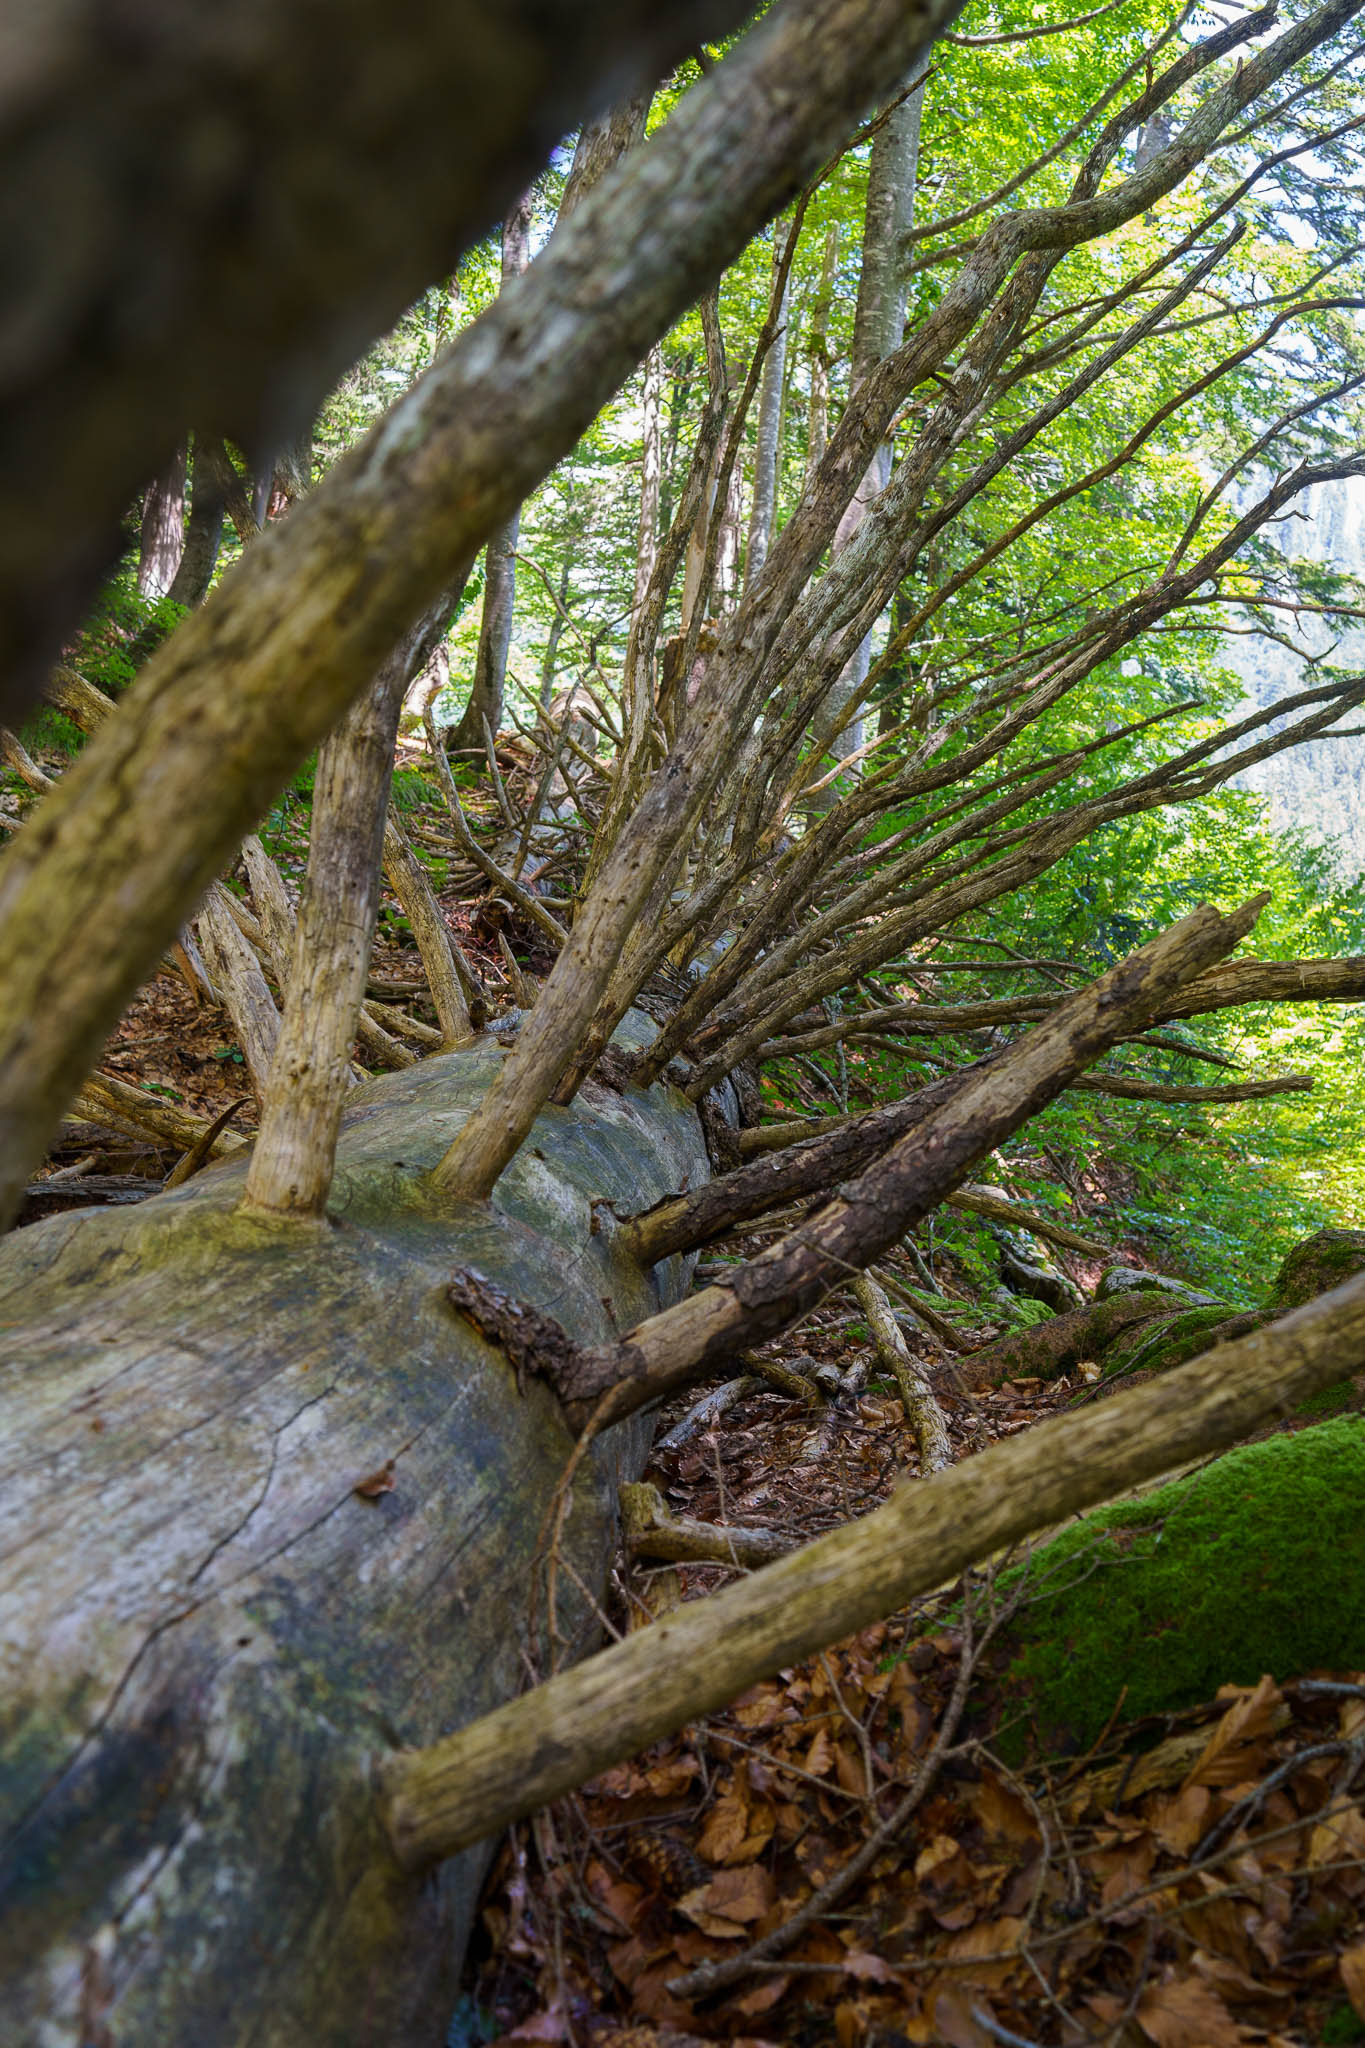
[
  {"x": 483, "y": 712},
  {"x": 163, "y": 529},
  {"x": 270, "y": 1506}
]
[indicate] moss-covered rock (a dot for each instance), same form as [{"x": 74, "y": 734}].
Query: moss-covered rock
[
  {"x": 1319, "y": 1263},
  {"x": 1170, "y": 1342},
  {"x": 1136, "y": 1280},
  {"x": 1255, "y": 1564}
]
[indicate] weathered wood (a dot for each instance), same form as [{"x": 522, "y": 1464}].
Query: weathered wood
[{"x": 267, "y": 1504}]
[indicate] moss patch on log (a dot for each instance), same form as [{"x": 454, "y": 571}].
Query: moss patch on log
[{"x": 1255, "y": 1564}]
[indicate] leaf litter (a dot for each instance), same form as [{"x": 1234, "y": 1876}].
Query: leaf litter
[{"x": 1195, "y": 1881}]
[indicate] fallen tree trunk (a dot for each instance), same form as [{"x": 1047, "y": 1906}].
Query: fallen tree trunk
[{"x": 269, "y": 1503}]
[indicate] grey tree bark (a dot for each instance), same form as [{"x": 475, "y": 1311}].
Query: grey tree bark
[
  {"x": 763, "y": 510},
  {"x": 203, "y": 535},
  {"x": 266, "y": 1503},
  {"x": 878, "y": 321},
  {"x": 483, "y": 712},
  {"x": 309, "y": 1078},
  {"x": 163, "y": 528}
]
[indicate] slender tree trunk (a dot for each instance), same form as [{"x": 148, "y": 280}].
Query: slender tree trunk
[
  {"x": 817, "y": 348},
  {"x": 163, "y": 529},
  {"x": 203, "y": 536},
  {"x": 878, "y": 320},
  {"x": 763, "y": 511},
  {"x": 651, "y": 476},
  {"x": 483, "y": 712}
]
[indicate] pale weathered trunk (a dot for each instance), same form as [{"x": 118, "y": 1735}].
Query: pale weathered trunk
[
  {"x": 163, "y": 529},
  {"x": 270, "y": 1506},
  {"x": 203, "y": 536},
  {"x": 763, "y": 510},
  {"x": 310, "y": 1076},
  {"x": 877, "y": 323},
  {"x": 651, "y": 477},
  {"x": 483, "y": 713}
]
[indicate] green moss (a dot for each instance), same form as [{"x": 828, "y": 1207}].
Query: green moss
[
  {"x": 1171, "y": 1343},
  {"x": 1330, "y": 1401},
  {"x": 1255, "y": 1564},
  {"x": 1319, "y": 1263}
]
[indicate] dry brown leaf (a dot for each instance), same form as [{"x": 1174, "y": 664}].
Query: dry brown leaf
[
  {"x": 849, "y": 2025},
  {"x": 818, "y": 1761},
  {"x": 764, "y": 1707},
  {"x": 730, "y": 1901},
  {"x": 873, "y": 1969},
  {"x": 1179, "y": 1822},
  {"x": 1270, "y": 1999},
  {"x": 1351, "y": 1963},
  {"x": 1003, "y": 1814},
  {"x": 727, "y": 1824},
  {"x": 1183, "y": 2013},
  {"x": 935, "y": 1856},
  {"x": 1125, "y": 1869},
  {"x": 850, "y": 1772},
  {"x": 615, "y": 1895},
  {"x": 760, "y": 1998},
  {"x": 950, "y": 2015},
  {"x": 1337, "y": 1839},
  {"x": 370, "y": 1488},
  {"x": 672, "y": 1776},
  {"x": 1252, "y": 1716}
]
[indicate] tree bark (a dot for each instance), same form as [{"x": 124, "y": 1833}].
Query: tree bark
[
  {"x": 878, "y": 320},
  {"x": 163, "y": 529},
  {"x": 162, "y": 798},
  {"x": 267, "y": 1502},
  {"x": 483, "y": 712},
  {"x": 763, "y": 510},
  {"x": 310, "y": 1077},
  {"x": 203, "y": 535}
]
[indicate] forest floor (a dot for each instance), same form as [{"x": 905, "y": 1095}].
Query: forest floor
[{"x": 1196, "y": 1881}]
